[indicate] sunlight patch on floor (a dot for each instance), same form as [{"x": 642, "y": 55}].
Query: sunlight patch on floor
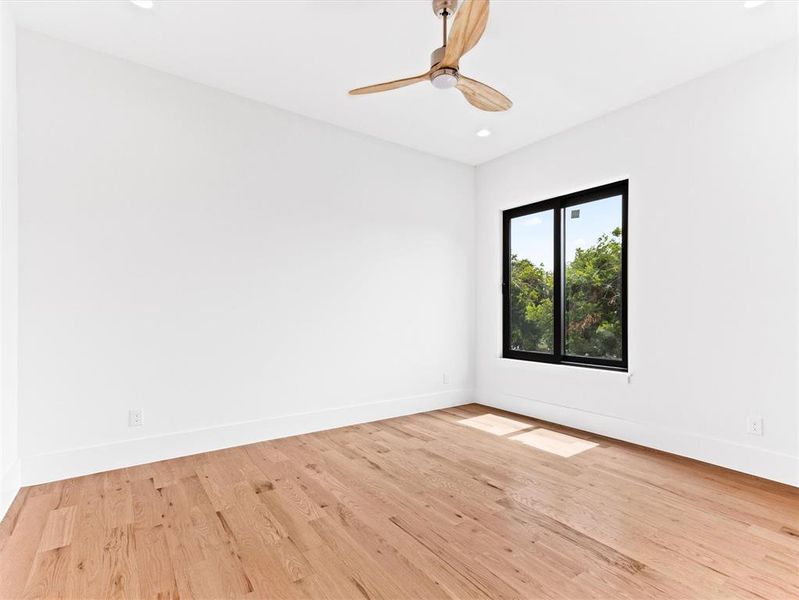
[
  {"x": 554, "y": 442},
  {"x": 494, "y": 424}
]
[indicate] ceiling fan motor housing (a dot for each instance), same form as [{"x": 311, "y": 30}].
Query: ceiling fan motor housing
[
  {"x": 443, "y": 78},
  {"x": 442, "y": 6}
]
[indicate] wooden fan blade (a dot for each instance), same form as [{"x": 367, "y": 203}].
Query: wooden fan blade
[
  {"x": 470, "y": 23},
  {"x": 482, "y": 96},
  {"x": 390, "y": 85}
]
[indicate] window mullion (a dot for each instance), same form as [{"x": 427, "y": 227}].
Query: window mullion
[{"x": 557, "y": 281}]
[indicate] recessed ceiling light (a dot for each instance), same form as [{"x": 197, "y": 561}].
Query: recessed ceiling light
[
  {"x": 143, "y": 3},
  {"x": 754, "y": 3},
  {"x": 484, "y": 133}
]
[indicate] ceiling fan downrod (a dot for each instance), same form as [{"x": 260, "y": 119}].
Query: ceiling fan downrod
[{"x": 443, "y": 9}]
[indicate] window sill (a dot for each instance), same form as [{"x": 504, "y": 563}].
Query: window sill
[{"x": 617, "y": 373}]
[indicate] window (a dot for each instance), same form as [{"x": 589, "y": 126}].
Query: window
[{"x": 565, "y": 279}]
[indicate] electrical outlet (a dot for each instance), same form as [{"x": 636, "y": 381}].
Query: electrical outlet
[
  {"x": 445, "y": 378},
  {"x": 134, "y": 417},
  {"x": 754, "y": 425}
]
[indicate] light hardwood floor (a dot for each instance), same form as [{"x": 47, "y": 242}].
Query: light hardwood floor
[{"x": 414, "y": 507}]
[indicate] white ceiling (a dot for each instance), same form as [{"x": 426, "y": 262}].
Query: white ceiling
[{"x": 561, "y": 62}]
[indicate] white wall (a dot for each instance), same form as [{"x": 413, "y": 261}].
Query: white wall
[
  {"x": 9, "y": 257},
  {"x": 712, "y": 269},
  {"x": 236, "y": 271}
]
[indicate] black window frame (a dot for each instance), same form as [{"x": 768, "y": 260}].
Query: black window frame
[{"x": 557, "y": 206}]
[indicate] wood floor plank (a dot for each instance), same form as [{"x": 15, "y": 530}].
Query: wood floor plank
[
  {"x": 264, "y": 571},
  {"x": 58, "y": 529},
  {"x": 372, "y": 579},
  {"x": 9, "y": 522},
  {"x": 154, "y": 564},
  {"x": 419, "y": 506},
  {"x": 88, "y": 538},
  {"x": 48, "y": 575},
  {"x": 147, "y": 504},
  {"x": 18, "y": 557},
  {"x": 221, "y": 552},
  {"x": 118, "y": 572}
]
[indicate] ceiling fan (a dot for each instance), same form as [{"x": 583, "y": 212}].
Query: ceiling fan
[{"x": 466, "y": 31}]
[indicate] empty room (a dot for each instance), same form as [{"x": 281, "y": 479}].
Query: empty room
[{"x": 399, "y": 299}]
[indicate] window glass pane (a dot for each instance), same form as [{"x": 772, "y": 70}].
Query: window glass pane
[
  {"x": 530, "y": 294},
  {"x": 592, "y": 293}
]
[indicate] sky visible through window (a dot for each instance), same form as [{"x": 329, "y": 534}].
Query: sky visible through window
[{"x": 531, "y": 235}]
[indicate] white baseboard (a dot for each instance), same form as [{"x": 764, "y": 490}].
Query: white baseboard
[
  {"x": 83, "y": 461},
  {"x": 11, "y": 482},
  {"x": 768, "y": 464}
]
